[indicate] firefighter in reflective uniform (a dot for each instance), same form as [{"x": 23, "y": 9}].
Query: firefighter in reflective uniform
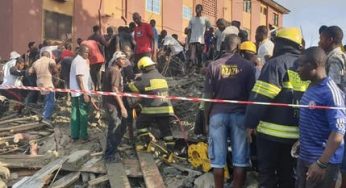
[
  {"x": 159, "y": 111},
  {"x": 277, "y": 127}
]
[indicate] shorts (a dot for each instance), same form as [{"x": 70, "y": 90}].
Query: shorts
[{"x": 221, "y": 127}]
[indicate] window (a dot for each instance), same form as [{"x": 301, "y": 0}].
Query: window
[
  {"x": 247, "y": 6},
  {"x": 276, "y": 19},
  {"x": 56, "y": 25},
  {"x": 153, "y": 6},
  {"x": 264, "y": 10},
  {"x": 187, "y": 12}
]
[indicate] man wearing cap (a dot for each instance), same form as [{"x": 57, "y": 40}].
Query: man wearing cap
[
  {"x": 6, "y": 68},
  {"x": 116, "y": 111},
  {"x": 159, "y": 111},
  {"x": 277, "y": 127}
]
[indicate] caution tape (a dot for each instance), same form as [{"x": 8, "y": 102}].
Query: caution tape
[{"x": 191, "y": 99}]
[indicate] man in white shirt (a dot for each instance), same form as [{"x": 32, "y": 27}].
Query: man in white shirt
[
  {"x": 266, "y": 46},
  {"x": 80, "y": 80},
  {"x": 174, "y": 46},
  {"x": 6, "y": 68},
  {"x": 197, "y": 27},
  {"x": 221, "y": 32}
]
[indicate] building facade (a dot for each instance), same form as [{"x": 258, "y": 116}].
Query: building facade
[{"x": 36, "y": 20}]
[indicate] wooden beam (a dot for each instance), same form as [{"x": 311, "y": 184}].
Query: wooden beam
[
  {"x": 98, "y": 180},
  {"x": 66, "y": 180},
  {"x": 115, "y": 171},
  {"x": 151, "y": 173},
  {"x": 117, "y": 175},
  {"x": 39, "y": 179}
]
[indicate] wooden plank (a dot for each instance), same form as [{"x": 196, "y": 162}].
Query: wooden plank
[
  {"x": 132, "y": 168},
  {"x": 30, "y": 118},
  {"x": 77, "y": 159},
  {"x": 151, "y": 173},
  {"x": 115, "y": 171},
  {"x": 94, "y": 165},
  {"x": 22, "y": 127},
  {"x": 117, "y": 175},
  {"x": 39, "y": 179},
  {"x": 98, "y": 180},
  {"x": 66, "y": 180}
]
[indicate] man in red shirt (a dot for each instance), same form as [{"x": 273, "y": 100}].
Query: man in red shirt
[
  {"x": 96, "y": 60},
  {"x": 144, "y": 38}
]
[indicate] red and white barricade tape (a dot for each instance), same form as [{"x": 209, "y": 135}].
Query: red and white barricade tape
[{"x": 191, "y": 99}]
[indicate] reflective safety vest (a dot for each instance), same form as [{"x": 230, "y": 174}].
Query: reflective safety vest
[
  {"x": 153, "y": 83},
  {"x": 279, "y": 82}
]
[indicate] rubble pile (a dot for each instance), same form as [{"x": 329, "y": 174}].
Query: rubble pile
[{"x": 186, "y": 86}]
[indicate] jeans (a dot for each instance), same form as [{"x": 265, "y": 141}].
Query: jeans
[
  {"x": 222, "y": 126},
  {"x": 328, "y": 181},
  {"x": 79, "y": 118},
  {"x": 49, "y": 105},
  {"x": 116, "y": 130}
]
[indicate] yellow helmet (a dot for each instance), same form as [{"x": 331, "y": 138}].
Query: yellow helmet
[
  {"x": 291, "y": 33},
  {"x": 248, "y": 46},
  {"x": 145, "y": 62}
]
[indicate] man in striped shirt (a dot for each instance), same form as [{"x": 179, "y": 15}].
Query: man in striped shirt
[{"x": 321, "y": 130}]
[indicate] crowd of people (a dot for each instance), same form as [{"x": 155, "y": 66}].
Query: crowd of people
[{"x": 275, "y": 68}]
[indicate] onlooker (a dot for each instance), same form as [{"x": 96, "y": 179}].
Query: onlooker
[
  {"x": 156, "y": 37},
  {"x": 6, "y": 68},
  {"x": 197, "y": 27},
  {"x": 80, "y": 80},
  {"x": 67, "y": 52},
  {"x": 174, "y": 47},
  {"x": 331, "y": 42},
  {"x": 144, "y": 37},
  {"x": 265, "y": 46},
  {"x": 96, "y": 60},
  {"x": 126, "y": 41},
  {"x": 15, "y": 79},
  {"x": 45, "y": 68},
  {"x": 98, "y": 37},
  {"x": 48, "y": 46},
  {"x": 116, "y": 111},
  {"x": 243, "y": 35},
  {"x": 113, "y": 45},
  {"x": 231, "y": 77},
  {"x": 221, "y": 32},
  {"x": 321, "y": 131}
]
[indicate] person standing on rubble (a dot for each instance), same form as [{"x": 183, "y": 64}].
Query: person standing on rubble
[
  {"x": 321, "y": 130},
  {"x": 231, "y": 78},
  {"x": 277, "y": 127},
  {"x": 159, "y": 111},
  {"x": 248, "y": 51},
  {"x": 80, "y": 79},
  {"x": 196, "y": 30},
  {"x": 115, "y": 108},
  {"x": 144, "y": 38},
  {"x": 45, "y": 68}
]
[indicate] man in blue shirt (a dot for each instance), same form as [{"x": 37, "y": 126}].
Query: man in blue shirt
[{"x": 321, "y": 130}]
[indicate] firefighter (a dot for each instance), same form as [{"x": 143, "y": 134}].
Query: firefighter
[
  {"x": 277, "y": 127},
  {"x": 248, "y": 51},
  {"x": 159, "y": 111}
]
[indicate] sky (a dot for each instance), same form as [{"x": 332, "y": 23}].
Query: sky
[{"x": 311, "y": 14}]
